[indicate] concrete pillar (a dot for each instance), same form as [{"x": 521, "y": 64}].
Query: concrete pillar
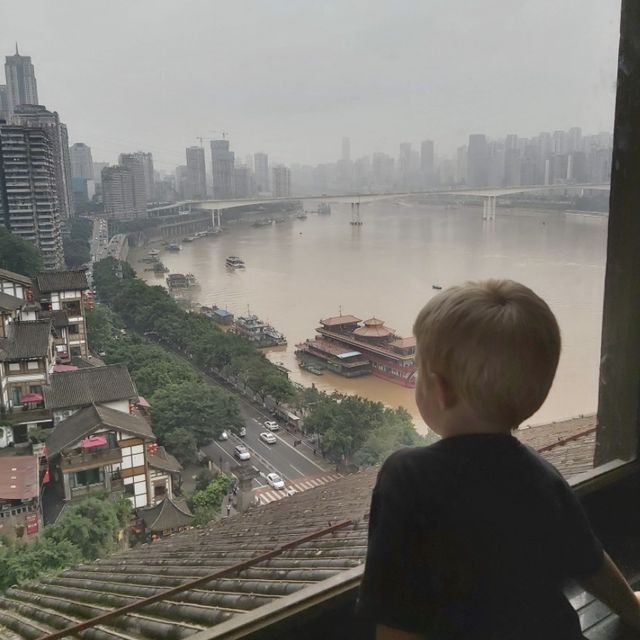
[{"x": 245, "y": 477}]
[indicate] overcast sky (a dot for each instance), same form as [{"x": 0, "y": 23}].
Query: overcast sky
[{"x": 292, "y": 77}]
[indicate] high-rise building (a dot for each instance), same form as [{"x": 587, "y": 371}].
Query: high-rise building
[
  {"x": 28, "y": 193},
  {"x": 512, "y": 162},
  {"x": 97, "y": 172},
  {"x": 81, "y": 161},
  {"x": 21, "y": 81},
  {"x": 222, "y": 164},
  {"x": 461, "y": 165},
  {"x": 242, "y": 182},
  {"x": 404, "y": 164},
  {"x": 36, "y": 115},
  {"x": 135, "y": 162},
  {"x": 196, "y": 173},
  {"x": 382, "y": 166},
  {"x": 477, "y": 161},
  {"x": 4, "y": 102},
  {"x": 118, "y": 192},
  {"x": 261, "y": 167},
  {"x": 427, "y": 162},
  {"x": 346, "y": 150},
  {"x": 149, "y": 176},
  {"x": 281, "y": 177},
  {"x": 182, "y": 182}
]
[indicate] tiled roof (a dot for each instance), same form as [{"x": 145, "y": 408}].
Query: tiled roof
[
  {"x": 49, "y": 281},
  {"x": 26, "y": 340},
  {"x": 165, "y": 515},
  {"x": 18, "y": 478},
  {"x": 86, "y": 591},
  {"x": 164, "y": 461},
  {"x": 9, "y": 303},
  {"x": 90, "y": 385},
  {"x": 60, "y": 318},
  {"x": 15, "y": 277},
  {"x": 89, "y": 590},
  {"x": 87, "y": 420},
  {"x": 336, "y": 321}
]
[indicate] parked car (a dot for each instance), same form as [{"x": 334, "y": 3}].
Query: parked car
[
  {"x": 243, "y": 432},
  {"x": 275, "y": 481},
  {"x": 241, "y": 452},
  {"x": 267, "y": 437},
  {"x": 291, "y": 491},
  {"x": 224, "y": 436},
  {"x": 271, "y": 425}
]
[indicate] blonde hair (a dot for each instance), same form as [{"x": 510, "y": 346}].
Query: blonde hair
[{"x": 496, "y": 342}]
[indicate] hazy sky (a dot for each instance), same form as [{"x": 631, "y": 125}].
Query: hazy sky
[{"x": 291, "y": 77}]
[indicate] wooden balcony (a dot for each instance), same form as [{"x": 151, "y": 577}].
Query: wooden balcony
[{"x": 87, "y": 459}]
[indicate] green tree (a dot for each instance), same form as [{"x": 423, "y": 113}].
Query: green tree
[
  {"x": 207, "y": 502},
  {"x": 19, "y": 255},
  {"x": 182, "y": 444},
  {"x": 202, "y": 410},
  {"x": 101, "y": 327},
  {"x": 76, "y": 252}
]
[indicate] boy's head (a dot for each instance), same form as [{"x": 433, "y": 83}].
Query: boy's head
[{"x": 491, "y": 346}]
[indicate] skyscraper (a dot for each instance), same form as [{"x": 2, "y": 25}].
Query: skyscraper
[
  {"x": 21, "y": 80},
  {"x": 477, "y": 161},
  {"x": 28, "y": 193},
  {"x": 427, "y": 161},
  {"x": 196, "y": 173},
  {"x": 135, "y": 162},
  {"x": 118, "y": 192},
  {"x": 222, "y": 163},
  {"x": 261, "y": 165},
  {"x": 149, "y": 176},
  {"x": 81, "y": 161},
  {"x": 404, "y": 164},
  {"x": 4, "y": 102},
  {"x": 35, "y": 115},
  {"x": 346, "y": 150},
  {"x": 281, "y": 182}
]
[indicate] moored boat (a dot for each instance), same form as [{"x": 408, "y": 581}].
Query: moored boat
[{"x": 234, "y": 262}]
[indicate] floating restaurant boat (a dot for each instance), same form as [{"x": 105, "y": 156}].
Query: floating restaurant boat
[
  {"x": 235, "y": 263},
  {"x": 181, "y": 281},
  {"x": 260, "y": 333},
  {"x": 352, "y": 347}
]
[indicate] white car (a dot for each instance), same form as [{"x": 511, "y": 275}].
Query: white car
[
  {"x": 243, "y": 432},
  {"x": 224, "y": 435},
  {"x": 271, "y": 425},
  {"x": 275, "y": 481},
  {"x": 267, "y": 437},
  {"x": 241, "y": 452},
  {"x": 291, "y": 491}
]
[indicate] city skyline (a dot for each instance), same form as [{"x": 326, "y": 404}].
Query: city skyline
[{"x": 389, "y": 79}]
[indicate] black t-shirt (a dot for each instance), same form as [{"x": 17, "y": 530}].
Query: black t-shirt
[{"x": 474, "y": 537}]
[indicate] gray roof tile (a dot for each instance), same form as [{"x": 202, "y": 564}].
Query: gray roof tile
[
  {"x": 15, "y": 277},
  {"x": 26, "y": 340},
  {"x": 49, "y": 281},
  {"x": 84, "y": 422},
  {"x": 89, "y": 385},
  {"x": 9, "y": 303}
]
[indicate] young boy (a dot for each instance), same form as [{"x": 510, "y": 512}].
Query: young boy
[{"x": 474, "y": 537}]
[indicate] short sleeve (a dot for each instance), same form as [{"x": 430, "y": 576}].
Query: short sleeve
[
  {"x": 390, "y": 589},
  {"x": 582, "y": 551}
]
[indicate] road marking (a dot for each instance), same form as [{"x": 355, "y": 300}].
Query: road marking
[
  {"x": 296, "y": 469},
  {"x": 317, "y": 466}
]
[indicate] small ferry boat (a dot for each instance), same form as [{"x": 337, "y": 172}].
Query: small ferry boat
[
  {"x": 302, "y": 216},
  {"x": 188, "y": 239},
  {"x": 260, "y": 333},
  {"x": 154, "y": 253},
  {"x": 173, "y": 247},
  {"x": 436, "y": 286},
  {"x": 234, "y": 262},
  {"x": 262, "y": 223}
]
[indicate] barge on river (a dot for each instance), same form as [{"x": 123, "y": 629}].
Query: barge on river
[{"x": 352, "y": 347}]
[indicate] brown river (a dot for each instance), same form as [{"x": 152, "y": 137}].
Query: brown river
[{"x": 299, "y": 271}]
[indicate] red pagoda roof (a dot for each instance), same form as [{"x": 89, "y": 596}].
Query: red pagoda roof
[
  {"x": 404, "y": 343},
  {"x": 374, "y": 328}
]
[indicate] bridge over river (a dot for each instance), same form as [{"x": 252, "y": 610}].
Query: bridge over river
[{"x": 488, "y": 195}]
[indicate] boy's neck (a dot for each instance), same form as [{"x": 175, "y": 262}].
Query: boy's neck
[{"x": 461, "y": 422}]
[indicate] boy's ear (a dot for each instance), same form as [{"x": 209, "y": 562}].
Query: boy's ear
[{"x": 445, "y": 393}]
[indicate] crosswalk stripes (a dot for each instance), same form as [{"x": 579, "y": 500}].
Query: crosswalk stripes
[{"x": 266, "y": 494}]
